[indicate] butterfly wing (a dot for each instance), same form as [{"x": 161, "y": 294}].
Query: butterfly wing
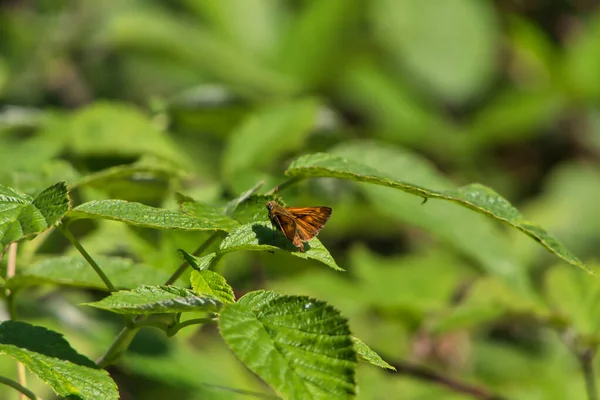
[
  {"x": 309, "y": 220},
  {"x": 284, "y": 223}
]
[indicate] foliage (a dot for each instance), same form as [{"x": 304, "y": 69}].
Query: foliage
[{"x": 128, "y": 223}]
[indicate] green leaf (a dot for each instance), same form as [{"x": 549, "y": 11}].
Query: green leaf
[
  {"x": 150, "y": 217},
  {"x": 213, "y": 284},
  {"x": 300, "y": 346},
  {"x": 156, "y": 300},
  {"x": 137, "y": 171},
  {"x": 575, "y": 297},
  {"x": 448, "y": 46},
  {"x": 261, "y": 236},
  {"x": 201, "y": 263},
  {"x": 474, "y": 196},
  {"x": 368, "y": 355},
  {"x": 201, "y": 210},
  {"x": 252, "y": 210},
  {"x": 267, "y": 134},
  {"x": 109, "y": 129},
  {"x": 75, "y": 271},
  {"x": 50, "y": 357},
  {"x": 22, "y": 216}
]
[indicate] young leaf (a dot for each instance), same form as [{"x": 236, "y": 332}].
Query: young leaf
[
  {"x": 75, "y": 271},
  {"x": 300, "y": 346},
  {"x": 156, "y": 300},
  {"x": 49, "y": 356},
  {"x": 150, "y": 217},
  {"x": 367, "y": 354},
  {"x": 22, "y": 216},
  {"x": 199, "y": 263},
  {"x": 474, "y": 196},
  {"x": 213, "y": 284},
  {"x": 261, "y": 236}
]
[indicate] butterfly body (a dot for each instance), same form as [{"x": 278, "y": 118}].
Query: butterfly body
[{"x": 298, "y": 224}]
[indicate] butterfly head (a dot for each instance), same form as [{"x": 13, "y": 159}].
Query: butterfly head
[{"x": 271, "y": 205}]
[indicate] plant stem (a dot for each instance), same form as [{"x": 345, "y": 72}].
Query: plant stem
[
  {"x": 124, "y": 338},
  {"x": 196, "y": 321},
  {"x": 427, "y": 374},
  {"x": 65, "y": 231},
  {"x": 586, "y": 359},
  {"x": 15, "y": 385},
  {"x": 284, "y": 185}
]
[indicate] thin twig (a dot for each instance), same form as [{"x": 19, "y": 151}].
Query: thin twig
[
  {"x": 427, "y": 374},
  {"x": 284, "y": 185},
  {"x": 67, "y": 233},
  {"x": 25, "y": 393}
]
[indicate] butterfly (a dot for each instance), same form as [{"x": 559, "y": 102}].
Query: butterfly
[{"x": 298, "y": 224}]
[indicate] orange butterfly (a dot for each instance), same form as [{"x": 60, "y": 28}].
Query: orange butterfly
[{"x": 298, "y": 224}]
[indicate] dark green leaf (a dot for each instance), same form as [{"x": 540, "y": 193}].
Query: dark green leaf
[
  {"x": 50, "y": 357},
  {"x": 156, "y": 300},
  {"x": 298, "y": 345}
]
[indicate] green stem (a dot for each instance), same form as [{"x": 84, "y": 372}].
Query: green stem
[
  {"x": 586, "y": 360},
  {"x": 198, "y": 251},
  {"x": 118, "y": 347},
  {"x": 155, "y": 324},
  {"x": 17, "y": 386},
  {"x": 124, "y": 338},
  {"x": 65, "y": 231},
  {"x": 196, "y": 321},
  {"x": 285, "y": 185}
]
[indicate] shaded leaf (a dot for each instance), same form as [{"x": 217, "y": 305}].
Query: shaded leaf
[
  {"x": 156, "y": 300},
  {"x": 150, "y": 217},
  {"x": 22, "y": 216},
  {"x": 368, "y": 355},
  {"x": 75, "y": 271},
  {"x": 201, "y": 210},
  {"x": 474, "y": 196},
  {"x": 261, "y": 236},
  {"x": 298, "y": 345},
  {"x": 50, "y": 357}
]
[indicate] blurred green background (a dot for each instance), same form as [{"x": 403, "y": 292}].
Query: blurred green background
[{"x": 207, "y": 97}]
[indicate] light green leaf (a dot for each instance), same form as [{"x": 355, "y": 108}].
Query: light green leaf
[
  {"x": 22, "y": 216},
  {"x": 367, "y": 354},
  {"x": 50, "y": 357},
  {"x": 213, "y": 284},
  {"x": 150, "y": 217},
  {"x": 156, "y": 300},
  {"x": 119, "y": 129},
  {"x": 300, "y": 346},
  {"x": 136, "y": 171},
  {"x": 199, "y": 263},
  {"x": 261, "y": 236},
  {"x": 75, "y": 271},
  {"x": 252, "y": 210},
  {"x": 474, "y": 196},
  {"x": 447, "y": 45},
  {"x": 267, "y": 134},
  {"x": 576, "y": 298}
]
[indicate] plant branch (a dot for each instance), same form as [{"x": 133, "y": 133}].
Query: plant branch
[
  {"x": 65, "y": 231},
  {"x": 427, "y": 374},
  {"x": 17, "y": 386},
  {"x": 195, "y": 321},
  {"x": 285, "y": 185},
  {"x": 586, "y": 360}
]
